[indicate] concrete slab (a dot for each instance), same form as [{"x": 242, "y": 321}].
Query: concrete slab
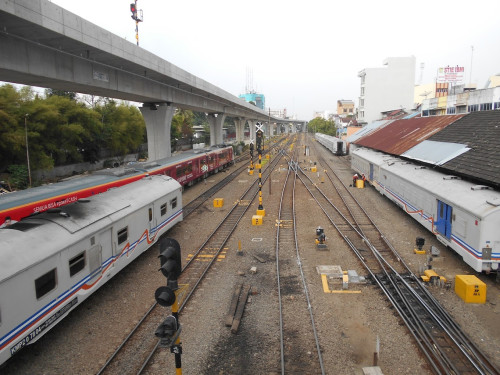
[{"x": 330, "y": 271}]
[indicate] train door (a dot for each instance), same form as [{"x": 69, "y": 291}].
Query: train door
[
  {"x": 151, "y": 220},
  {"x": 340, "y": 148},
  {"x": 443, "y": 222},
  {"x": 371, "y": 172},
  {"x": 105, "y": 241}
]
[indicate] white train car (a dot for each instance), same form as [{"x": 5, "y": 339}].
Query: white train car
[
  {"x": 336, "y": 145},
  {"x": 51, "y": 262},
  {"x": 463, "y": 216}
]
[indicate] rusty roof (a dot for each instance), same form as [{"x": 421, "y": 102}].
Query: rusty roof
[{"x": 401, "y": 135}]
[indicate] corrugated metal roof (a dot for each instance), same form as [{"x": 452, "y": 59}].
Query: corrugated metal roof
[
  {"x": 367, "y": 130},
  {"x": 411, "y": 115},
  {"x": 401, "y": 135},
  {"x": 436, "y": 153}
]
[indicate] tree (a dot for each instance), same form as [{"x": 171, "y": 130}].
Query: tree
[
  {"x": 123, "y": 128},
  {"x": 320, "y": 125},
  {"x": 182, "y": 125},
  {"x": 67, "y": 94},
  {"x": 11, "y": 134},
  {"x": 61, "y": 130}
]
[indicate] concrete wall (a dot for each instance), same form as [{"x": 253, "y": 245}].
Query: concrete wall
[{"x": 72, "y": 169}]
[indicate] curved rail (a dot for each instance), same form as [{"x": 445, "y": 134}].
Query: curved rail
[{"x": 441, "y": 340}]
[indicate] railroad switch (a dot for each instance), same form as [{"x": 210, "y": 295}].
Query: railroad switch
[
  {"x": 419, "y": 243},
  {"x": 321, "y": 239},
  {"x": 431, "y": 276}
]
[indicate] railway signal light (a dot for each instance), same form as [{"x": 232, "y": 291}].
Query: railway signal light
[
  {"x": 133, "y": 9},
  {"x": 168, "y": 331},
  {"x": 165, "y": 296},
  {"x": 170, "y": 260}
]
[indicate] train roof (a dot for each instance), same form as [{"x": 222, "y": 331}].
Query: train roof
[
  {"x": 102, "y": 177},
  {"x": 38, "y": 237},
  {"x": 476, "y": 199},
  {"x": 22, "y": 197},
  {"x": 183, "y": 156}
]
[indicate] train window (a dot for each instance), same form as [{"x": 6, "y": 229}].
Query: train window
[
  {"x": 173, "y": 203},
  {"x": 45, "y": 283},
  {"x": 76, "y": 264},
  {"x": 150, "y": 211},
  {"x": 163, "y": 209},
  {"x": 122, "y": 235},
  {"x": 92, "y": 241}
]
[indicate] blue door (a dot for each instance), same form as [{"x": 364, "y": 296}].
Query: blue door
[
  {"x": 371, "y": 172},
  {"x": 443, "y": 222}
]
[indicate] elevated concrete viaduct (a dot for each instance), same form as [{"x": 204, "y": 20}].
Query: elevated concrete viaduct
[{"x": 44, "y": 45}]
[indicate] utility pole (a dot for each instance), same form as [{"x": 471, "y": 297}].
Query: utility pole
[
  {"x": 27, "y": 147},
  {"x": 471, "y": 55}
]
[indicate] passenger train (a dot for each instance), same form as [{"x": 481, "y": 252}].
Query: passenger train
[
  {"x": 53, "y": 261},
  {"x": 462, "y": 216},
  {"x": 336, "y": 145},
  {"x": 186, "y": 168}
]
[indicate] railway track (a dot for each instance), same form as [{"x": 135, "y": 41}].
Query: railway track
[
  {"x": 299, "y": 342},
  {"x": 442, "y": 342},
  {"x": 139, "y": 347},
  {"x": 203, "y": 197}
]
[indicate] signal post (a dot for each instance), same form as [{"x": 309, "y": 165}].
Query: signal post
[
  {"x": 260, "y": 140},
  {"x": 170, "y": 329}
]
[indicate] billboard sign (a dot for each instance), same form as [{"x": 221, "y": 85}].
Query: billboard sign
[{"x": 454, "y": 74}]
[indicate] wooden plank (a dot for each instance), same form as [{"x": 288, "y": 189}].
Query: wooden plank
[
  {"x": 234, "y": 303},
  {"x": 259, "y": 258},
  {"x": 240, "y": 309}
]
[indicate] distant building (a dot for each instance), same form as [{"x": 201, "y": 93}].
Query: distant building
[
  {"x": 345, "y": 107},
  {"x": 327, "y": 115},
  {"x": 388, "y": 88},
  {"x": 493, "y": 81},
  {"x": 462, "y": 99},
  {"x": 281, "y": 113},
  {"x": 258, "y": 99},
  {"x": 425, "y": 91}
]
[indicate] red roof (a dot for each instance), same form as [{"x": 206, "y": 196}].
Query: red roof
[{"x": 401, "y": 135}]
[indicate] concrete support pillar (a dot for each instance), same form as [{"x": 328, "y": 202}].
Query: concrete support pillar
[
  {"x": 251, "y": 124},
  {"x": 158, "y": 123},
  {"x": 216, "y": 121},
  {"x": 240, "y": 129}
]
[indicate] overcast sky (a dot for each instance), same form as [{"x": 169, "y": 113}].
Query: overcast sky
[{"x": 305, "y": 55}]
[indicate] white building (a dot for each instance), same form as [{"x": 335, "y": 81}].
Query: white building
[
  {"x": 327, "y": 115},
  {"x": 388, "y": 88}
]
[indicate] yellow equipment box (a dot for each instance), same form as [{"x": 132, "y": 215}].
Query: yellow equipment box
[
  {"x": 470, "y": 289},
  {"x": 257, "y": 220},
  {"x": 258, "y": 166},
  {"x": 314, "y": 169},
  {"x": 360, "y": 184},
  {"x": 218, "y": 202}
]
